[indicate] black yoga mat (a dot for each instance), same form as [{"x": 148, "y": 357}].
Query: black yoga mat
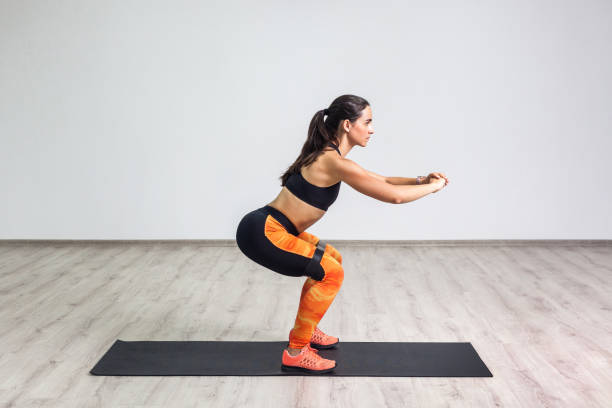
[{"x": 254, "y": 358}]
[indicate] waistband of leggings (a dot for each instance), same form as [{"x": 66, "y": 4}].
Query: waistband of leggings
[{"x": 280, "y": 217}]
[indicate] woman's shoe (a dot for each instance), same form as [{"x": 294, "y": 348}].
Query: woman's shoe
[
  {"x": 308, "y": 360},
  {"x": 321, "y": 340}
]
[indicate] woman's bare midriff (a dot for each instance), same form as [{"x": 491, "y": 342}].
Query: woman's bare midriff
[{"x": 300, "y": 213}]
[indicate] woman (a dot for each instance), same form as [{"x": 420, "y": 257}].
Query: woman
[{"x": 275, "y": 236}]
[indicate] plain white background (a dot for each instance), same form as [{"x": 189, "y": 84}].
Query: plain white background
[{"x": 173, "y": 119}]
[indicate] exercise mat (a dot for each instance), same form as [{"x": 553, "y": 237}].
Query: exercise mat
[{"x": 254, "y": 358}]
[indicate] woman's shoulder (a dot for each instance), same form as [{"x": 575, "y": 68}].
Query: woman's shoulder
[
  {"x": 322, "y": 170},
  {"x": 327, "y": 158}
]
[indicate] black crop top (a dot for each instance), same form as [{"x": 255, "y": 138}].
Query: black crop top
[{"x": 320, "y": 197}]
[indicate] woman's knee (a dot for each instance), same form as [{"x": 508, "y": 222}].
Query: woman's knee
[
  {"x": 334, "y": 253},
  {"x": 327, "y": 269},
  {"x": 333, "y": 271}
]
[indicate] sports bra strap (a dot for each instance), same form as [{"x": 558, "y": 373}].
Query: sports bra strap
[{"x": 335, "y": 147}]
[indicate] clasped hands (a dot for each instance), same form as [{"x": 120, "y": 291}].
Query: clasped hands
[{"x": 436, "y": 175}]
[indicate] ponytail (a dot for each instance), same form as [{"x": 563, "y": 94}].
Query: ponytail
[{"x": 322, "y": 131}]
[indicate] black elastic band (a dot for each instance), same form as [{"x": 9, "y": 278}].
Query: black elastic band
[
  {"x": 313, "y": 269},
  {"x": 321, "y": 245}
]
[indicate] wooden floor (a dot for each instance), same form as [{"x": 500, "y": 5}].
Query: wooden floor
[{"x": 539, "y": 316}]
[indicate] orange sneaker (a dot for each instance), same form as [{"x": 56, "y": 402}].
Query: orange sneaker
[
  {"x": 321, "y": 340},
  {"x": 308, "y": 361}
]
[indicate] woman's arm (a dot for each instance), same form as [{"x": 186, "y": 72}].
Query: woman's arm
[
  {"x": 402, "y": 181},
  {"x": 398, "y": 181},
  {"x": 377, "y": 186},
  {"x": 378, "y": 176}
]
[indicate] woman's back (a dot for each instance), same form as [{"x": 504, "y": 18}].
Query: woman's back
[{"x": 306, "y": 195}]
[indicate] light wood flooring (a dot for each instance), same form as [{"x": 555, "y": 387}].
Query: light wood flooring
[{"x": 540, "y": 317}]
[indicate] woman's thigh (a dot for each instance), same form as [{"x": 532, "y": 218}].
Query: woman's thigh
[
  {"x": 263, "y": 239},
  {"x": 329, "y": 249}
]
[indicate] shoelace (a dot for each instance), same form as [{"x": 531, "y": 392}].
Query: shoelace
[
  {"x": 317, "y": 336},
  {"x": 312, "y": 358}
]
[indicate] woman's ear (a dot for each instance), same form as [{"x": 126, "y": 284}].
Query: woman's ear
[{"x": 346, "y": 124}]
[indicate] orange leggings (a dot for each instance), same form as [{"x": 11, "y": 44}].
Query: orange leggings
[
  {"x": 316, "y": 296},
  {"x": 269, "y": 238}
]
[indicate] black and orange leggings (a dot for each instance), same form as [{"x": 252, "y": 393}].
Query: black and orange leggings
[{"x": 270, "y": 239}]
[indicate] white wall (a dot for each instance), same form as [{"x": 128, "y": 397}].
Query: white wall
[{"x": 170, "y": 120}]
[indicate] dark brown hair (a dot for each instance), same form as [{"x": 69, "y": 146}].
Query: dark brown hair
[{"x": 321, "y": 131}]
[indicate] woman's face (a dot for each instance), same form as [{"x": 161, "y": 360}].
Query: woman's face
[{"x": 361, "y": 130}]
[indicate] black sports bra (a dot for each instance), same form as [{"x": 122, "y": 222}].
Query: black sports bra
[{"x": 320, "y": 197}]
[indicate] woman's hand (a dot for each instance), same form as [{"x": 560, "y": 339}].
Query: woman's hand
[
  {"x": 436, "y": 175},
  {"x": 439, "y": 183}
]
